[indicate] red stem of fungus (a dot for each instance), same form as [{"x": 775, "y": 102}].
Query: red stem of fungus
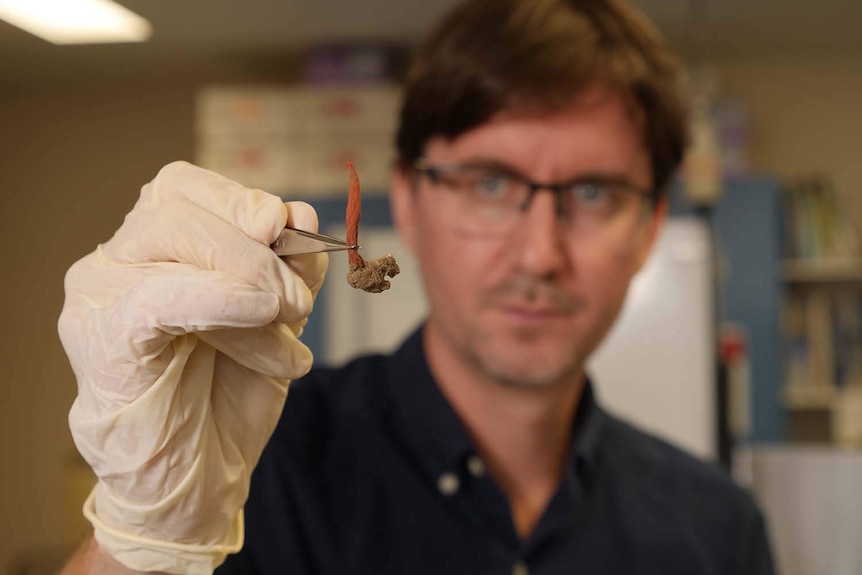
[{"x": 352, "y": 216}]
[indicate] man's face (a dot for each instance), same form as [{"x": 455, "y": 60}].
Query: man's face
[{"x": 528, "y": 307}]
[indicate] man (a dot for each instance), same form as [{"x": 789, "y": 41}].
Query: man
[{"x": 536, "y": 140}]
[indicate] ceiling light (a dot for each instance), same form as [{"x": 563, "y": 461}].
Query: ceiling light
[{"x": 76, "y": 21}]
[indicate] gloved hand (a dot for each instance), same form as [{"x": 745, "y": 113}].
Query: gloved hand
[{"x": 182, "y": 333}]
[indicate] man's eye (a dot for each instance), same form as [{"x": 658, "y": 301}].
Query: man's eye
[
  {"x": 591, "y": 194},
  {"x": 491, "y": 186}
]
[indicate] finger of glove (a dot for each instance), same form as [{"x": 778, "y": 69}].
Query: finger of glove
[
  {"x": 185, "y": 233},
  {"x": 122, "y": 348},
  {"x": 272, "y": 350},
  {"x": 310, "y": 267},
  {"x": 302, "y": 216},
  {"x": 189, "y": 301},
  {"x": 261, "y": 216}
]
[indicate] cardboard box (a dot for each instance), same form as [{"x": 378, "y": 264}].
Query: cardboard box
[
  {"x": 273, "y": 163},
  {"x": 222, "y": 110}
]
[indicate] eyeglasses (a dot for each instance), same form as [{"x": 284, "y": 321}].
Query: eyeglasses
[{"x": 490, "y": 201}]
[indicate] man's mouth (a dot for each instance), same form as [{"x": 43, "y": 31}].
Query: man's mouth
[
  {"x": 527, "y": 300},
  {"x": 534, "y": 309}
]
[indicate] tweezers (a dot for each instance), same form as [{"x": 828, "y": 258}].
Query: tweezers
[{"x": 292, "y": 242}]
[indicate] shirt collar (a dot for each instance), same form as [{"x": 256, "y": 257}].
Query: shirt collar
[
  {"x": 423, "y": 418},
  {"x": 587, "y": 430}
]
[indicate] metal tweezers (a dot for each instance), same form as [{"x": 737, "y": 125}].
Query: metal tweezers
[{"x": 292, "y": 242}]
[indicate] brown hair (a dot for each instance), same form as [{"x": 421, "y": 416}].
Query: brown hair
[{"x": 536, "y": 56}]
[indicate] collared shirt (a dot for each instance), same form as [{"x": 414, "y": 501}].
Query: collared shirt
[{"x": 371, "y": 471}]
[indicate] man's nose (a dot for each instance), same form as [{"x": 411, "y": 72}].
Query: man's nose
[{"x": 541, "y": 241}]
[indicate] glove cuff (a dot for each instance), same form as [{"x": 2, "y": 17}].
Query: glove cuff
[{"x": 145, "y": 554}]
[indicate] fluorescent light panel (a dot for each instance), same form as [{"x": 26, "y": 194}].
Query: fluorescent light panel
[{"x": 76, "y": 21}]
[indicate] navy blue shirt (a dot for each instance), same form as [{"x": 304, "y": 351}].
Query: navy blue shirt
[{"x": 371, "y": 471}]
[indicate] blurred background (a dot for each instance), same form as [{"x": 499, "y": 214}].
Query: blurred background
[{"x": 753, "y": 303}]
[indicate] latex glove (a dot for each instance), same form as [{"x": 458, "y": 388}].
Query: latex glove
[{"x": 182, "y": 333}]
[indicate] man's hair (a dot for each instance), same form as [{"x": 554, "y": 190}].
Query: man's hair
[{"x": 536, "y": 57}]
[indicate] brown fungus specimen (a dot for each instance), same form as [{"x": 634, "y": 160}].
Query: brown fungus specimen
[{"x": 369, "y": 275}]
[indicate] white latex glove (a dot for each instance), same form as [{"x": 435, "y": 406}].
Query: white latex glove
[{"x": 182, "y": 332}]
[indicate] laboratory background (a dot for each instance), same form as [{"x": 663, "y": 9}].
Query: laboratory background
[{"x": 741, "y": 340}]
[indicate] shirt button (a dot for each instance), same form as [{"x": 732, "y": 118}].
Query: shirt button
[
  {"x": 520, "y": 568},
  {"x": 476, "y": 466},
  {"x": 448, "y": 484}
]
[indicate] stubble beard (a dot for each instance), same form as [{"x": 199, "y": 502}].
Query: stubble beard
[
  {"x": 523, "y": 373},
  {"x": 508, "y": 363}
]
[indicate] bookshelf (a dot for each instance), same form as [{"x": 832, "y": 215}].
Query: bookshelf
[
  {"x": 823, "y": 271},
  {"x": 822, "y": 310},
  {"x": 749, "y": 279},
  {"x": 808, "y": 398}
]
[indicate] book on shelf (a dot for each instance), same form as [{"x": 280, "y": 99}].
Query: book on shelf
[
  {"x": 822, "y": 345},
  {"x": 796, "y": 343},
  {"x": 847, "y": 337},
  {"x": 816, "y": 226}
]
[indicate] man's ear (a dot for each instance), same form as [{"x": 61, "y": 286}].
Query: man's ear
[
  {"x": 659, "y": 216},
  {"x": 402, "y": 203}
]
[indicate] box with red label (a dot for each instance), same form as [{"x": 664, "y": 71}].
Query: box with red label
[
  {"x": 276, "y": 164},
  {"x": 231, "y": 110}
]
